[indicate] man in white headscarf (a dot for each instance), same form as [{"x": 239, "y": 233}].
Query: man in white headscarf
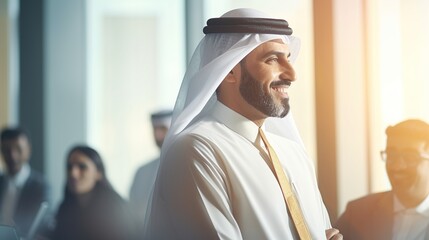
[
  {"x": 218, "y": 177},
  {"x": 145, "y": 176}
]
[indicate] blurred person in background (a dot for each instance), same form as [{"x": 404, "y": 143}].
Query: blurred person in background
[
  {"x": 91, "y": 209},
  {"x": 146, "y": 174},
  {"x": 22, "y": 189},
  {"x": 403, "y": 212}
]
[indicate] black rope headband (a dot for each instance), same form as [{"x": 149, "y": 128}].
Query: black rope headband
[{"x": 247, "y": 25}]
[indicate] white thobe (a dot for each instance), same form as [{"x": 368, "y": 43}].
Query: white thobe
[{"x": 215, "y": 183}]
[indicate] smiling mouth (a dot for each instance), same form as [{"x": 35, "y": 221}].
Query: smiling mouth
[{"x": 281, "y": 87}]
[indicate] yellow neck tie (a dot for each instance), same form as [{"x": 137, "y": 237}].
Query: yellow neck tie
[{"x": 289, "y": 196}]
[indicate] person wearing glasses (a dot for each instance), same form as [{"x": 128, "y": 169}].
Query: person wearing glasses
[{"x": 402, "y": 212}]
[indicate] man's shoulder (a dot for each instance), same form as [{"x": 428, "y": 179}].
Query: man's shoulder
[
  {"x": 205, "y": 137},
  {"x": 370, "y": 200},
  {"x": 36, "y": 179},
  {"x": 152, "y": 163},
  {"x": 149, "y": 166},
  {"x": 362, "y": 209},
  {"x": 207, "y": 125},
  {"x": 204, "y": 131},
  {"x": 36, "y": 175},
  {"x": 367, "y": 217}
]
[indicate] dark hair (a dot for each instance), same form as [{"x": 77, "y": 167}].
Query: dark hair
[
  {"x": 161, "y": 114},
  {"x": 95, "y": 157},
  {"x": 101, "y": 187},
  {"x": 412, "y": 128},
  {"x": 10, "y": 133},
  {"x": 161, "y": 118}
]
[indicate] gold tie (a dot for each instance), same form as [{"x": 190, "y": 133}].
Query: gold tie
[{"x": 289, "y": 196}]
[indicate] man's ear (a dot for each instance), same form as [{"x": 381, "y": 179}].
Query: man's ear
[{"x": 234, "y": 75}]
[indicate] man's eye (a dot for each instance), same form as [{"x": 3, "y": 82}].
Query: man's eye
[{"x": 273, "y": 59}]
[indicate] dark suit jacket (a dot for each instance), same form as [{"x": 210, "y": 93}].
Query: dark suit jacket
[
  {"x": 367, "y": 218},
  {"x": 33, "y": 193}
]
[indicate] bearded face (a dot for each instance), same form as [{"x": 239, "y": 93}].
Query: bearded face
[{"x": 264, "y": 99}]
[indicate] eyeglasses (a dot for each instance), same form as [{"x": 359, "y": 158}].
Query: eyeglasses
[{"x": 410, "y": 159}]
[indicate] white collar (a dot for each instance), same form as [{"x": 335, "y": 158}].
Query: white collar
[
  {"x": 21, "y": 177},
  {"x": 236, "y": 122},
  {"x": 422, "y": 208}
]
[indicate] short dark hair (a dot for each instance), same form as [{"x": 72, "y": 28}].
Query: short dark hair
[
  {"x": 411, "y": 128},
  {"x": 161, "y": 118},
  {"x": 10, "y": 133}
]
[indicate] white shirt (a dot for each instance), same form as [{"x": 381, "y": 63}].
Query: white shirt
[
  {"x": 11, "y": 194},
  {"x": 141, "y": 188},
  {"x": 215, "y": 183},
  {"x": 412, "y": 223}
]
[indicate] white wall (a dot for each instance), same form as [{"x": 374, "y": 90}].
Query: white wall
[
  {"x": 136, "y": 63},
  {"x": 351, "y": 105},
  {"x": 109, "y": 64}
]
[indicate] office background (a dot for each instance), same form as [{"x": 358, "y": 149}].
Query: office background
[{"x": 92, "y": 71}]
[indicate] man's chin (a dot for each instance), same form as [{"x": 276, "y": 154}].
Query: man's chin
[
  {"x": 285, "y": 113},
  {"x": 279, "y": 114},
  {"x": 283, "y": 108},
  {"x": 403, "y": 190}
]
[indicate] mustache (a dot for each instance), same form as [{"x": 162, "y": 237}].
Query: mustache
[{"x": 280, "y": 83}]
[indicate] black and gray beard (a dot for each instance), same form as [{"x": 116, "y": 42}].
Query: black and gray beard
[{"x": 253, "y": 92}]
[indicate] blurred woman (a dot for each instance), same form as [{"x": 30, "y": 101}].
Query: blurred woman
[{"x": 91, "y": 209}]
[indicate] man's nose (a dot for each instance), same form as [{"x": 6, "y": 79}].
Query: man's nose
[{"x": 288, "y": 72}]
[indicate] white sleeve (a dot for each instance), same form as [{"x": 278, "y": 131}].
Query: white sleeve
[{"x": 191, "y": 197}]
